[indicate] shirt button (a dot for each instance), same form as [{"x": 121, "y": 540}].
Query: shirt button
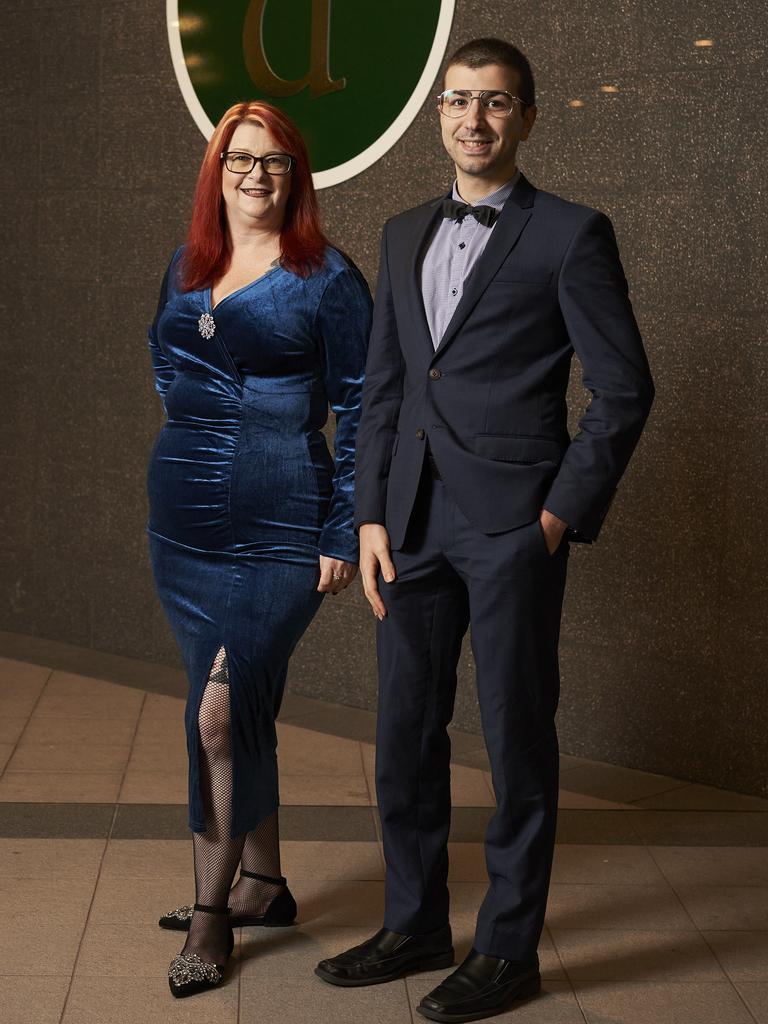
[
  {"x": 420, "y": 434},
  {"x": 435, "y": 374},
  {"x": 462, "y": 245},
  {"x": 453, "y": 291}
]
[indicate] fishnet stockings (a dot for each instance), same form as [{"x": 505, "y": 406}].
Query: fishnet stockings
[
  {"x": 216, "y": 854},
  {"x": 261, "y": 854}
]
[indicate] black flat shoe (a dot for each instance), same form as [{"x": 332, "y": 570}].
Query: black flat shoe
[
  {"x": 480, "y": 987},
  {"x": 189, "y": 974},
  {"x": 388, "y": 956},
  {"x": 281, "y": 912}
]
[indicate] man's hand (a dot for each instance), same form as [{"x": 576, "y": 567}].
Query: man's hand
[
  {"x": 335, "y": 575},
  {"x": 553, "y": 529},
  {"x": 375, "y": 553}
]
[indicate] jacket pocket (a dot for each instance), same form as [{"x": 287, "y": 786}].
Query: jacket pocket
[
  {"x": 516, "y": 448},
  {"x": 522, "y": 277}
]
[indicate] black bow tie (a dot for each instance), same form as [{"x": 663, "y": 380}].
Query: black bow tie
[{"x": 458, "y": 211}]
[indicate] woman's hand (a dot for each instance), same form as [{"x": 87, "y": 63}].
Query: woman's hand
[{"x": 335, "y": 575}]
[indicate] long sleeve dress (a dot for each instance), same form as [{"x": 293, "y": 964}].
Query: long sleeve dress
[{"x": 244, "y": 494}]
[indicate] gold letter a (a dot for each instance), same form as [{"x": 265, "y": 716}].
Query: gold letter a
[{"x": 318, "y": 78}]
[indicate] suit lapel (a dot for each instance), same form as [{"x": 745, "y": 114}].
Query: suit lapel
[
  {"x": 423, "y": 230},
  {"x": 512, "y": 219}
]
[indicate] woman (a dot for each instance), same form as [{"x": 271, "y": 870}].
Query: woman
[{"x": 260, "y": 325}]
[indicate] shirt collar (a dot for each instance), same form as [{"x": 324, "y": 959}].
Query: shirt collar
[{"x": 495, "y": 199}]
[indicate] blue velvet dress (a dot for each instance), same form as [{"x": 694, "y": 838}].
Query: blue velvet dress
[{"x": 244, "y": 494}]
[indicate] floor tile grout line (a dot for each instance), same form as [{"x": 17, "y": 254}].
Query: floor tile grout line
[
  {"x": 642, "y": 982},
  {"x": 646, "y": 885},
  {"x": 73, "y": 771},
  {"x": 121, "y": 787},
  {"x": 568, "y": 978},
  {"x": 488, "y": 780},
  {"x": 87, "y": 916},
  {"x": 353, "y": 810},
  {"x": 660, "y": 931},
  {"x": 704, "y": 939},
  {"x": 409, "y": 1001},
  {"x": 376, "y": 823},
  {"x": 732, "y": 983},
  {"x": 26, "y": 724},
  {"x": 637, "y": 811},
  {"x": 661, "y": 792},
  {"x": 239, "y": 975},
  {"x": 365, "y": 773},
  {"x": 639, "y": 841}
]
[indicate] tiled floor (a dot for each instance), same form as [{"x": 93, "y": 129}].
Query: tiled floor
[{"x": 658, "y": 910}]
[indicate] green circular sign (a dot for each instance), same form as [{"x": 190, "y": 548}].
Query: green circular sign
[{"x": 352, "y": 74}]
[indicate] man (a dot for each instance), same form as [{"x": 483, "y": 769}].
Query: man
[{"x": 468, "y": 492}]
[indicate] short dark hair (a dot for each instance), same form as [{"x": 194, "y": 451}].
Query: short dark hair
[{"x": 477, "y": 53}]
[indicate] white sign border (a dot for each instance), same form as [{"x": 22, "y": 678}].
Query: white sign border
[{"x": 361, "y": 162}]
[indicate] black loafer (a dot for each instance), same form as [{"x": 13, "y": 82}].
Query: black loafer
[
  {"x": 480, "y": 987},
  {"x": 387, "y": 956}
]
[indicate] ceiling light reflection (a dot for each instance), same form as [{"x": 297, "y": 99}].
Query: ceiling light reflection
[{"x": 191, "y": 23}]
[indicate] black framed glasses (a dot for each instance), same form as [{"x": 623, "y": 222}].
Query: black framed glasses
[
  {"x": 456, "y": 102},
  {"x": 243, "y": 163}
]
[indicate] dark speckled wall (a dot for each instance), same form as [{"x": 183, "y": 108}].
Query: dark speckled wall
[{"x": 664, "y": 641}]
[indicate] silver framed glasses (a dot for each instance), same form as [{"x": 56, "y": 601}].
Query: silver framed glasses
[
  {"x": 243, "y": 163},
  {"x": 456, "y": 102}
]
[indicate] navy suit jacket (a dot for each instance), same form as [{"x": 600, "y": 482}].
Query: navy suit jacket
[{"x": 491, "y": 401}]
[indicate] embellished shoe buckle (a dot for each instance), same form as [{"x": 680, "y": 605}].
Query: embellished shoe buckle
[
  {"x": 188, "y": 967},
  {"x": 181, "y": 913}
]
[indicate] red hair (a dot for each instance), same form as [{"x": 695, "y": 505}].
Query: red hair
[{"x": 302, "y": 242}]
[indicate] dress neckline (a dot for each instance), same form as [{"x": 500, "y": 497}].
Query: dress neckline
[{"x": 230, "y": 295}]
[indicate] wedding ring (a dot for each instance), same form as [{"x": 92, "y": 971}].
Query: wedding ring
[{"x": 337, "y": 576}]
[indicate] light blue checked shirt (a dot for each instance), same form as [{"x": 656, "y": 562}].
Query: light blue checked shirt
[{"x": 455, "y": 248}]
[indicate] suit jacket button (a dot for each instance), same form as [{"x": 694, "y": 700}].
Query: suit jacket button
[
  {"x": 420, "y": 434},
  {"x": 435, "y": 374}
]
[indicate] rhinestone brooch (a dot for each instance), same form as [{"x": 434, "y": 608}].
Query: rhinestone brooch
[
  {"x": 187, "y": 967},
  {"x": 207, "y": 326},
  {"x": 182, "y": 913}
]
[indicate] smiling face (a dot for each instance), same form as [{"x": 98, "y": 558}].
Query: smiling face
[
  {"x": 483, "y": 147},
  {"x": 256, "y": 199}
]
